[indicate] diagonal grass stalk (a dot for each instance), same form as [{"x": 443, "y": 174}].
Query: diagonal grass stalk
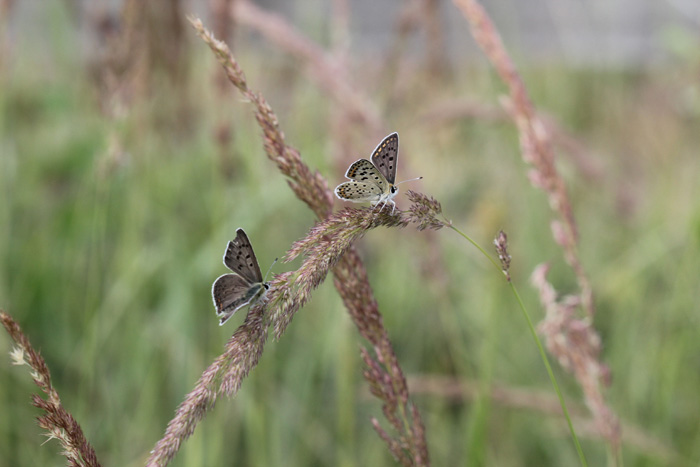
[{"x": 533, "y": 332}]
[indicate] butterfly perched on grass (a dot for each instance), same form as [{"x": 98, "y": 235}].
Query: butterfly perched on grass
[
  {"x": 374, "y": 180},
  {"x": 231, "y": 292}
]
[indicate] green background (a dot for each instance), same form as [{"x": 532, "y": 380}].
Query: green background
[{"x": 113, "y": 224}]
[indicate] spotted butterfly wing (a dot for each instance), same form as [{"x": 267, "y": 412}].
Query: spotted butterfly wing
[
  {"x": 368, "y": 184},
  {"x": 240, "y": 258},
  {"x": 358, "y": 192},
  {"x": 385, "y": 157},
  {"x": 364, "y": 171}
]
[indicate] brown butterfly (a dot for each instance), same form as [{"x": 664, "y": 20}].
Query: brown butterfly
[{"x": 246, "y": 286}]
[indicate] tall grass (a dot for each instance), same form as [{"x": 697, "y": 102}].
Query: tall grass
[{"x": 113, "y": 226}]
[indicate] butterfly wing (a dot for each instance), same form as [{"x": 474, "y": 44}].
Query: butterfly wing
[
  {"x": 365, "y": 172},
  {"x": 358, "y": 192},
  {"x": 230, "y": 292},
  {"x": 240, "y": 258},
  {"x": 385, "y": 157}
]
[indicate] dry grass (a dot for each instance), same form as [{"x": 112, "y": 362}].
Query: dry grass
[
  {"x": 57, "y": 421},
  {"x": 329, "y": 247},
  {"x": 572, "y": 340}
]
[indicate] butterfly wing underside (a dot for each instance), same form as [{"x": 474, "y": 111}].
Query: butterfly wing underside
[
  {"x": 367, "y": 183},
  {"x": 358, "y": 192},
  {"x": 363, "y": 171},
  {"x": 240, "y": 258},
  {"x": 385, "y": 157},
  {"x": 230, "y": 292}
]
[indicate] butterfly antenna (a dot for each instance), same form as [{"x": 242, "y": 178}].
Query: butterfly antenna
[
  {"x": 411, "y": 180},
  {"x": 270, "y": 269}
]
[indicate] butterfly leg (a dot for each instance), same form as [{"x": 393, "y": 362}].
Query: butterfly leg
[
  {"x": 384, "y": 203},
  {"x": 387, "y": 202}
]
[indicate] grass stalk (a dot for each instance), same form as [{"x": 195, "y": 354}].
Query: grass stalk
[
  {"x": 429, "y": 213},
  {"x": 574, "y": 341},
  {"x": 328, "y": 247},
  {"x": 57, "y": 421}
]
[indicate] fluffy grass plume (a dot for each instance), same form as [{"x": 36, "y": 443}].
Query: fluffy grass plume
[{"x": 57, "y": 421}]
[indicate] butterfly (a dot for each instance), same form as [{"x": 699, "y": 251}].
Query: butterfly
[
  {"x": 231, "y": 292},
  {"x": 373, "y": 181}
]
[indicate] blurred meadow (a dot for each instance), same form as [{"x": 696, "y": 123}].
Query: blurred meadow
[{"x": 128, "y": 161}]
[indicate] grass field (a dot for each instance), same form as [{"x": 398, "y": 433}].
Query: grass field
[{"x": 115, "y": 212}]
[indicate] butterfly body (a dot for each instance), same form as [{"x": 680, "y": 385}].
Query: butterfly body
[
  {"x": 231, "y": 292},
  {"x": 373, "y": 180}
]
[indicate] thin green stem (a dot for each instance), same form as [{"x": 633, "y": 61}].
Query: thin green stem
[
  {"x": 478, "y": 247},
  {"x": 543, "y": 354},
  {"x": 540, "y": 347}
]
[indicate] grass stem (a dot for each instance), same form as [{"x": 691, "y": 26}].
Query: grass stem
[{"x": 537, "y": 340}]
